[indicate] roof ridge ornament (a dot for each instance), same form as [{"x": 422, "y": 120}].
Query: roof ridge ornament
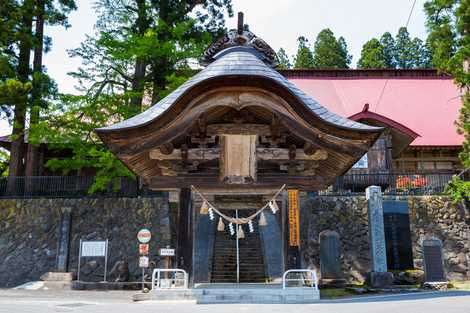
[{"x": 240, "y": 37}]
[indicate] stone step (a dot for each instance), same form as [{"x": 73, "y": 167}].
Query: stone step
[
  {"x": 57, "y": 276},
  {"x": 262, "y": 294}
]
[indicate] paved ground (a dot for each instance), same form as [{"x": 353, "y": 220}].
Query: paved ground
[{"x": 15, "y": 301}]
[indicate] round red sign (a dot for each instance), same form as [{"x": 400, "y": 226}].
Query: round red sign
[{"x": 144, "y": 235}]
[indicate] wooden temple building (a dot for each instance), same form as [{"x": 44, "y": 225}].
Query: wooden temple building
[{"x": 237, "y": 132}]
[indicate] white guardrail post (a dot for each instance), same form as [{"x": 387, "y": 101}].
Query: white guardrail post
[
  {"x": 312, "y": 272},
  {"x": 157, "y": 278}
]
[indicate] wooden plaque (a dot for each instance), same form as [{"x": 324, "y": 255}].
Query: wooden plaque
[{"x": 294, "y": 230}]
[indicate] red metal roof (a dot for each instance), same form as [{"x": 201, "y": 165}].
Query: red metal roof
[{"x": 422, "y": 100}]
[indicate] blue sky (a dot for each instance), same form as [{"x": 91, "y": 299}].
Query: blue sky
[{"x": 278, "y": 22}]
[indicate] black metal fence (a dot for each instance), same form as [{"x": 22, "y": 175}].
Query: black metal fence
[
  {"x": 69, "y": 187},
  {"x": 392, "y": 184},
  {"x": 79, "y": 186}
]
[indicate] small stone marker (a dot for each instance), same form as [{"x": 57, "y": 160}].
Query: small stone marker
[
  {"x": 330, "y": 255},
  {"x": 433, "y": 261}
]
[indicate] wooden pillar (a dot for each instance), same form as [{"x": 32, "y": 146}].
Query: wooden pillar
[{"x": 184, "y": 231}]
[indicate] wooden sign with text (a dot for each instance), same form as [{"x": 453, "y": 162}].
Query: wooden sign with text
[{"x": 294, "y": 229}]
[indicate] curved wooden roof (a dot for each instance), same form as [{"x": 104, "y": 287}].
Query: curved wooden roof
[
  {"x": 239, "y": 79},
  {"x": 242, "y": 63}
]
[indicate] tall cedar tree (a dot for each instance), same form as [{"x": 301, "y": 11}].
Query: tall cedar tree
[
  {"x": 283, "y": 61},
  {"x": 388, "y": 43},
  {"x": 373, "y": 55},
  {"x": 304, "y": 56},
  {"x": 20, "y": 88},
  {"x": 329, "y": 52},
  {"x": 401, "y": 52},
  {"x": 23, "y": 85},
  {"x": 142, "y": 50},
  {"x": 448, "y": 23},
  {"x": 51, "y": 13}
]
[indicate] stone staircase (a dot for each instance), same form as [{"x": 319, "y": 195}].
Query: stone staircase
[{"x": 224, "y": 263}]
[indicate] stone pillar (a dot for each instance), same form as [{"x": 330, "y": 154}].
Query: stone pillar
[
  {"x": 378, "y": 277},
  {"x": 64, "y": 240}
]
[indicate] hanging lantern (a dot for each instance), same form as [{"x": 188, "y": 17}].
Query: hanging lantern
[
  {"x": 204, "y": 208},
  {"x": 221, "y": 225},
  {"x": 241, "y": 233},
  {"x": 262, "y": 220},
  {"x": 250, "y": 226},
  {"x": 273, "y": 206}
]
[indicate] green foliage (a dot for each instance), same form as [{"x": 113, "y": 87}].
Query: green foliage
[
  {"x": 373, "y": 55},
  {"x": 304, "y": 56},
  {"x": 448, "y": 23},
  {"x": 4, "y": 162},
  {"x": 283, "y": 60},
  {"x": 141, "y": 51},
  {"x": 388, "y": 44},
  {"x": 458, "y": 189},
  {"x": 401, "y": 52},
  {"x": 70, "y": 124},
  {"x": 329, "y": 52}
]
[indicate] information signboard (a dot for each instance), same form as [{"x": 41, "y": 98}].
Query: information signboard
[
  {"x": 144, "y": 249},
  {"x": 93, "y": 248},
  {"x": 144, "y": 261},
  {"x": 167, "y": 252}
]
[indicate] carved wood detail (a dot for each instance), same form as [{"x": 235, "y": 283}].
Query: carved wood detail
[{"x": 265, "y": 154}]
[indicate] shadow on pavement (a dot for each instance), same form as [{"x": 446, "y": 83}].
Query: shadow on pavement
[{"x": 401, "y": 297}]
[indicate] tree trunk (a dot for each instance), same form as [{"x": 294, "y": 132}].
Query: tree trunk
[
  {"x": 32, "y": 163},
  {"x": 17, "y": 150},
  {"x": 160, "y": 69},
  {"x": 142, "y": 25},
  {"x": 138, "y": 85}
]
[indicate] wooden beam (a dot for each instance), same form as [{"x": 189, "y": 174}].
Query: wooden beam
[
  {"x": 279, "y": 154},
  {"x": 238, "y": 129},
  {"x": 192, "y": 154},
  {"x": 212, "y": 181},
  {"x": 264, "y": 154}
]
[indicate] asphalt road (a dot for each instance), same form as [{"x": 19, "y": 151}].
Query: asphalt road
[{"x": 16, "y": 301}]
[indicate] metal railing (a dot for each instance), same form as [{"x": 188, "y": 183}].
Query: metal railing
[
  {"x": 391, "y": 183},
  {"x": 349, "y": 184},
  {"x": 69, "y": 187},
  {"x": 179, "y": 279},
  {"x": 302, "y": 280}
]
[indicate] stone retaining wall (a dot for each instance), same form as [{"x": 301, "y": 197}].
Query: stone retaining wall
[
  {"x": 29, "y": 232},
  {"x": 430, "y": 216}
]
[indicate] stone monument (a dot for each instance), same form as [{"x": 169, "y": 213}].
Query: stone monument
[
  {"x": 433, "y": 261},
  {"x": 378, "y": 277},
  {"x": 330, "y": 258}
]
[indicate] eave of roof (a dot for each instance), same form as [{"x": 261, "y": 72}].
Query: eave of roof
[
  {"x": 419, "y": 73},
  {"x": 240, "y": 62}
]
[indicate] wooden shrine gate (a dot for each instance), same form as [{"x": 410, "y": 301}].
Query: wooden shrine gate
[{"x": 237, "y": 127}]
